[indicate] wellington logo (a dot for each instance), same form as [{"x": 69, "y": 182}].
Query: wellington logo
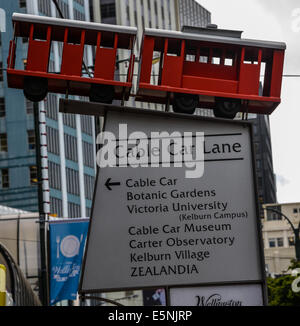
[
  {"x": 215, "y": 300},
  {"x": 2, "y": 20}
]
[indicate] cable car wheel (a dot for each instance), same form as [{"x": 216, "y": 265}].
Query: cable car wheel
[
  {"x": 102, "y": 93},
  {"x": 185, "y": 103},
  {"x": 227, "y": 108},
  {"x": 35, "y": 88}
]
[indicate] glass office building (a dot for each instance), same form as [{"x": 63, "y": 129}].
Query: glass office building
[{"x": 68, "y": 141}]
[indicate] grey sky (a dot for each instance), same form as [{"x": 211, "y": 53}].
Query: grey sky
[{"x": 277, "y": 20}]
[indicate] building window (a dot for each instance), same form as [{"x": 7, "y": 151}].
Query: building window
[
  {"x": 108, "y": 10},
  {"x": 276, "y": 242},
  {"x": 31, "y": 139},
  {"x": 69, "y": 120},
  {"x": 279, "y": 242},
  {"x": 272, "y": 243},
  {"x": 52, "y": 140},
  {"x": 295, "y": 210},
  {"x": 5, "y": 178},
  {"x": 257, "y": 148},
  {"x": 273, "y": 216},
  {"x": 3, "y": 143},
  {"x": 74, "y": 210},
  {"x": 89, "y": 186},
  {"x": 2, "y": 107},
  {"x": 56, "y": 206},
  {"x": 33, "y": 175},
  {"x": 88, "y": 154},
  {"x": 87, "y": 124},
  {"x": 44, "y": 6},
  {"x": 72, "y": 181},
  {"x": 51, "y": 106},
  {"x": 29, "y": 107},
  {"x": 1, "y": 71},
  {"x": 54, "y": 175},
  {"x": 71, "y": 147},
  {"x": 22, "y": 3}
]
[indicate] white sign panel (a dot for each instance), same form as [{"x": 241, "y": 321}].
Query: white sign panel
[
  {"x": 218, "y": 296},
  {"x": 154, "y": 226}
]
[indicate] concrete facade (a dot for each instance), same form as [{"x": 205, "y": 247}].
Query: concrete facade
[{"x": 278, "y": 236}]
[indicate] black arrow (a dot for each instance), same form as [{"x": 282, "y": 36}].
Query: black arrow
[{"x": 109, "y": 184}]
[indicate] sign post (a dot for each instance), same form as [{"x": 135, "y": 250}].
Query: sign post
[{"x": 160, "y": 226}]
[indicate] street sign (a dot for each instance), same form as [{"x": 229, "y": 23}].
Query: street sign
[{"x": 158, "y": 226}]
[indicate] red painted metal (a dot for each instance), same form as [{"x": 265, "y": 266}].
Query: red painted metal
[
  {"x": 38, "y": 51},
  {"x": 146, "y": 59},
  {"x": 278, "y": 61},
  {"x": 72, "y": 56},
  {"x": 249, "y": 75},
  {"x": 71, "y": 78},
  {"x": 207, "y": 68},
  {"x": 173, "y": 65},
  {"x": 214, "y": 75},
  {"x": 105, "y": 62}
]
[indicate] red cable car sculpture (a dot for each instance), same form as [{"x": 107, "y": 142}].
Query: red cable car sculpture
[
  {"x": 36, "y": 80},
  {"x": 199, "y": 67}
]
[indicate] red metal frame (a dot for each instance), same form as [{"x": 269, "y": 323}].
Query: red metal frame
[
  {"x": 209, "y": 80},
  {"x": 187, "y": 64},
  {"x": 70, "y": 79}
]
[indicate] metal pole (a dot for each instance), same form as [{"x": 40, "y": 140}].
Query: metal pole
[{"x": 43, "y": 284}]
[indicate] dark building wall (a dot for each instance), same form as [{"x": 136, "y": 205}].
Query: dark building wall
[
  {"x": 264, "y": 160},
  {"x": 108, "y": 12},
  {"x": 193, "y": 14}
]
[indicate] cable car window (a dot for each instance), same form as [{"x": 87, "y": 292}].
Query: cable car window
[
  {"x": 190, "y": 52},
  {"x": 251, "y": 56},
  {"x": 107, "y": 40},
  {"x": 230, "y": 58},
  {"x": 216, "y": 61},
  {"x": 190, "y": 57},
  {"x": 203, "y": 59},
  {"x": 174, "y": 47},
  {"x": 40, "y": 34},
  {"x": 74, "y": 36},
  {"x": 228, "y": 62},
  {"x": 204, "y": 55},
  {"x": 216, "y": 56}
]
